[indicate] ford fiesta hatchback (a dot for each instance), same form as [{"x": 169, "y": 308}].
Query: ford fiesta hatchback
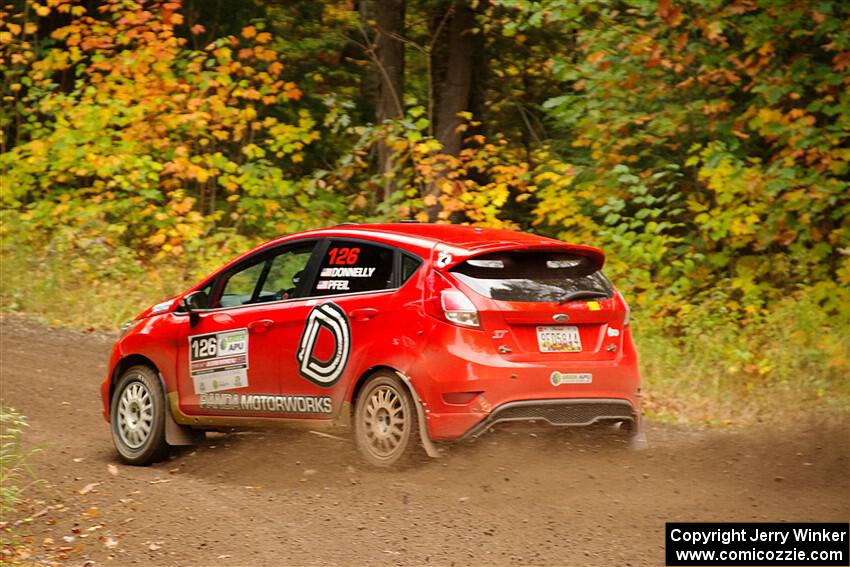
[{"x": 408, "y": 333}]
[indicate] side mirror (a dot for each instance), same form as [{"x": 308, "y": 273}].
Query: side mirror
[{"x": 194, "y": 302}]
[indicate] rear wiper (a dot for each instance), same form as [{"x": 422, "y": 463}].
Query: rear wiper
[{"x": 582, "y": 294}]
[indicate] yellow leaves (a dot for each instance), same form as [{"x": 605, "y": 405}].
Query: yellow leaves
[
  {"x": 264, "y": 37},
  {"x": 41, "y": 10},
  {"x": 291, "y": 91},
  {"x": 157, "y": 239},
  {"x": 746, "y": 225},
  {"x": 596, "y": 57},
  {"x": 359, "y": 202},
  {"x": 253, "y": 151},
  {"x": 768, "y": 115},
  {"x": 714, "y": 32},
  {"x": 249, "y": 31},
  {"x": 716, "y": 107},
  {"x": 223, "y": 54}
]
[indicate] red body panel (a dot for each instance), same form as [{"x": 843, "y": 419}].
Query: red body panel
[{"x": 460, "y": 374}]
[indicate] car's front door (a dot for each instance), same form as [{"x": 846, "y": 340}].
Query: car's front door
[{"x": 229, "y": 361}]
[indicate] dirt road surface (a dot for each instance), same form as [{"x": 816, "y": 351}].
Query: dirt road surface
[{"x": 283, "y": 497}]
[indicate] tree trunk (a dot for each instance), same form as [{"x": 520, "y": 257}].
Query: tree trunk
[
  {"x": 388, "y": 16},
  {"x": 452, "y": 71}
]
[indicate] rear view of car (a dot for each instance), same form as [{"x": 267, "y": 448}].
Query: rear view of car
[{"x": 530, "y": 333}]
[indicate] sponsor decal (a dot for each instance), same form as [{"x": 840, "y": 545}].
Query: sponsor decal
[
  {"x": 324, "y": 373},
  {"x": 593, "y": 305},
  {"x": 347, "y": 272},
  {"x": 267, "y": 403},
  {"x": 443, "y": 259},
  {"x": 219, "y": 361},
  {"x": 332, "y": 284},
  {"x": 558, "y": 378},
  {"x": 613, "y": 332}
]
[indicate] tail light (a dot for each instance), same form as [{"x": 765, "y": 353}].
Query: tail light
[
  {"x": 458, "y": 308},
  {"x": 450, "y": 304}
]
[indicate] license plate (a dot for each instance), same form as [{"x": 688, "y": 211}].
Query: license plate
[{"x": 558, "y": 339}]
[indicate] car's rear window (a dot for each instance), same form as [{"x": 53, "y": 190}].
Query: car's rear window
[{"x": 534, "y": 277}]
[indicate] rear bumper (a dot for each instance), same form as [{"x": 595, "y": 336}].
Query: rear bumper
[
  {"x": 573, "y": 412},
  {"x": 495, "y": 389}
]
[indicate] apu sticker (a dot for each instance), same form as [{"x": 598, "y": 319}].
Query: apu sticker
[
  {"x": 219, "y": 361},
  {"x": 558, "y": 378},
  {"x": 324, "y": 373}
]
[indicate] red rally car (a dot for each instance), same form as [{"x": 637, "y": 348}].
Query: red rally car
[{"x": 399, "y": 330}]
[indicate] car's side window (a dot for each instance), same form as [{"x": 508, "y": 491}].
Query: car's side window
[
  {"x": 285, "y": 273},
  {"x": 351, "y": 267},
  {"x": 271, "y": 278},
  {"x": 239, "y": 287},
  {"x": 409, "y": 265}
]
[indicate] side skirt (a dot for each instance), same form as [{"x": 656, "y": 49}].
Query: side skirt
[{"x": 202, "y": 421}]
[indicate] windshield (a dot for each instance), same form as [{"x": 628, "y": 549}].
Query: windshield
[{"x": 534, "y": 277}]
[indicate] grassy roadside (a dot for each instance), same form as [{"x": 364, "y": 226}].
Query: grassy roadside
[
  {"x": 83, "y": 290},
  {"x": 15, "y": 475},
  {"x": 794, "y": 361}
]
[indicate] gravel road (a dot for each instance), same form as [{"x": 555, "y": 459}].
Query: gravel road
[{"x": 287, "y": 497}]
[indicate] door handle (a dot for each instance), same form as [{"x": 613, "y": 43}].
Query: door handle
[
  {"x": 362, "y": 314},
  {"x": 260, "y": 326}
]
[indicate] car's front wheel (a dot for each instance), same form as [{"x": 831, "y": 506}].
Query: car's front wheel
[
  {"x": 137, "y": 416},
  {"x": 385, "y": 420}
]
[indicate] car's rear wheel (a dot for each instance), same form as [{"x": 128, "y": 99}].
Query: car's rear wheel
[
  {"x": 385, "y": 420},
  {"x": 137, "y": 417}
]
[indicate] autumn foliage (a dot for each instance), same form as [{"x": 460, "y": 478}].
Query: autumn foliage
[{"x": 705, "y": 145}]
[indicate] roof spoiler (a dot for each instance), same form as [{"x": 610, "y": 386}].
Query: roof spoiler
[{"x": 446, "y": 257}]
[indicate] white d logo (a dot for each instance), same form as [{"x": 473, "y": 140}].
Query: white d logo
[{"x": 324, "y": 373}]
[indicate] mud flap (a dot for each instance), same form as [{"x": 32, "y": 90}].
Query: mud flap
[
  {"x": 430, "y": 449},
  {"x": 178, "y": 435},
  {"x": 638, "y": 441}
]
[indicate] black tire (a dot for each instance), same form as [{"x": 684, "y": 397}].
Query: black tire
[
  {"x": 137, "y": 417},
  {"x": 386, "y": 425}
]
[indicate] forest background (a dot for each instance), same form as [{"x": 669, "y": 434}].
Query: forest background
[{"x": 703, "y": 144}]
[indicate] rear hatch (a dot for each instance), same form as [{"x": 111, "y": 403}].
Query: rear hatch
[{"x": 544, "y": 305}]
